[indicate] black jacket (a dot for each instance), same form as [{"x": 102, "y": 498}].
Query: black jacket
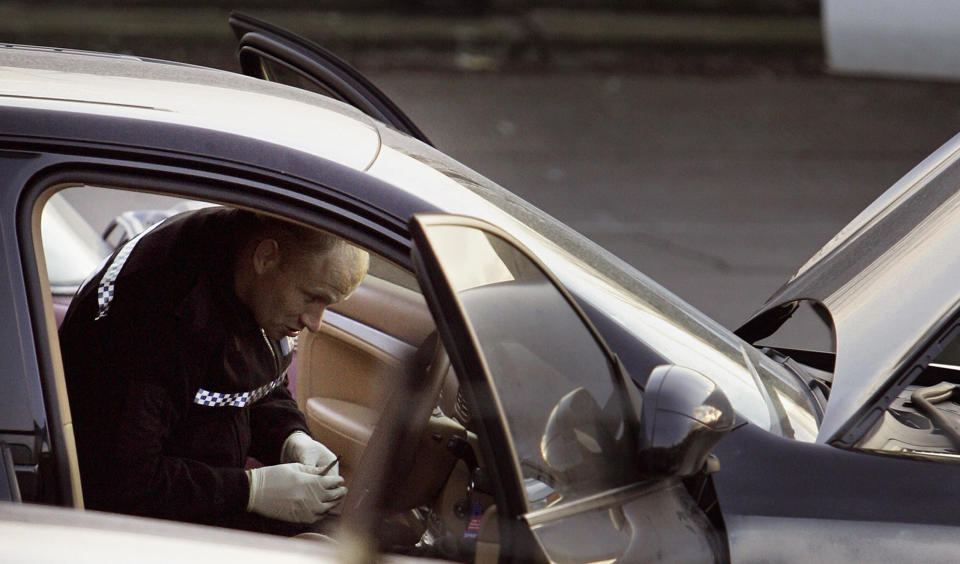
[{"x": 157, "y": 368}]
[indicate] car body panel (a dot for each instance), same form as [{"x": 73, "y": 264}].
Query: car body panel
[
  {"x": 889, "y": 281},
  {"x": 29, "y": 531},
  {"x": 767, "y": 486},
  {"x": 119, "y": 87},
  {"x": 761, "y": 539}
]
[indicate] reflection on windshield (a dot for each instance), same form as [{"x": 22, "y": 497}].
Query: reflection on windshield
[{"x": 674, "y": 329}]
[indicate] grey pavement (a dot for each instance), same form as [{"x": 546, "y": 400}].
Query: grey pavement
[{"x": 710, "y": 152}]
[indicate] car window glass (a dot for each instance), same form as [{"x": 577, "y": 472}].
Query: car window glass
[
  {"x": 552, "y": 380},
  {"x": 276, "y": 71},
  {"x": 794, "y": 411},
  {"x": 385, "y": 270},
  {"x": 72, "y": 248}
]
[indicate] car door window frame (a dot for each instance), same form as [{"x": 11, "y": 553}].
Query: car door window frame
[
  {"x": 262, "y": 40},
  {"x": 188, "y": 180},
  {"x": 467, "y": 361}
]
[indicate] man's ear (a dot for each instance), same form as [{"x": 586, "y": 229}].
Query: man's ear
[{"x": 266, "y": 256}]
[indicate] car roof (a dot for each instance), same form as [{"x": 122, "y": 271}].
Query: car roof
[{"x": 173, "y": 93}]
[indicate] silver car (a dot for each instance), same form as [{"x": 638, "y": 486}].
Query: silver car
[{"x": 572, "y": 410}]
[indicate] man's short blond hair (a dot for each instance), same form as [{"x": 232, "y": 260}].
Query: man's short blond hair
[{"x": 296, "y": 240}]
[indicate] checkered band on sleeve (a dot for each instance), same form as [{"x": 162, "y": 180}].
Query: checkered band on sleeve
[
  {"x": 106, "y": 290},
  {"x": 242, "y": 399}
]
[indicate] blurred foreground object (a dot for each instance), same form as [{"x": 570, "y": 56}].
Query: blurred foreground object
[{"x": 895, "y": 39}]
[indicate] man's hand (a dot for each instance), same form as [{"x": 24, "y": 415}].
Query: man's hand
[
  {"x": 299, "y": 447},
  {"x": 293, "y": 492}
]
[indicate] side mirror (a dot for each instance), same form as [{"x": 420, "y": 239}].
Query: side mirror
[{"x": 684, "y": 416}]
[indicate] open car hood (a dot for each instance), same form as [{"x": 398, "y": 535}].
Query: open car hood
[{"x": 889, "y": 280}]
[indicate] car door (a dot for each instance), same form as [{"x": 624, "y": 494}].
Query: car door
[
  {"x": 557, "y": 416},
  {"x": 271, "y": 53}
]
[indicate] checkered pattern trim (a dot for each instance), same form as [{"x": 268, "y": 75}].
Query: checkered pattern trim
[
  {"x": 106, "y": 290},
  {"x": 220, "y": 399}
]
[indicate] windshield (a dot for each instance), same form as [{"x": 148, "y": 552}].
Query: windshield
[{"x": 760, "y": 389}]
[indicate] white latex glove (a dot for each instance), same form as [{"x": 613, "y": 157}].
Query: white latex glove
[
  {"x": 293, "y": 492},
  {"x": 299, "y": 447}
]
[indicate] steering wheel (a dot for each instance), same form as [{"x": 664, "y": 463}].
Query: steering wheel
[{"x": 388, "y": 458}]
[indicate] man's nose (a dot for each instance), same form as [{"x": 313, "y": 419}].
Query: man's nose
[{"x": 312, "y": 318}]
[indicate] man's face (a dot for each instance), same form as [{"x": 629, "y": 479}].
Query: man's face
[{"x": 292, "y": 294}]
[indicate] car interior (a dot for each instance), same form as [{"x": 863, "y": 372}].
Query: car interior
[
  {"x": 343, "y": 377},
  {"x": 424, "y": 487},
  {"x": 921, "y": 410},
  {"x": 920, "y": 421}
]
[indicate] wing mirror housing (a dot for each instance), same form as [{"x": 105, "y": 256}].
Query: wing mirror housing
[{"x": 685, "y": 414}]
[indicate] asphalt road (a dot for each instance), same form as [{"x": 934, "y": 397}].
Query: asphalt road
[{"x": 719, "y": 188}]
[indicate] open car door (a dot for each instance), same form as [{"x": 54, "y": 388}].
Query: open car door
[
  {"x": 271, "y": 53},
  {"x": 556, "y": 416}
]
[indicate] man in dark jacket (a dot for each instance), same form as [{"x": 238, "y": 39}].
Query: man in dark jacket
[{"x": 175, "y": 355}]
